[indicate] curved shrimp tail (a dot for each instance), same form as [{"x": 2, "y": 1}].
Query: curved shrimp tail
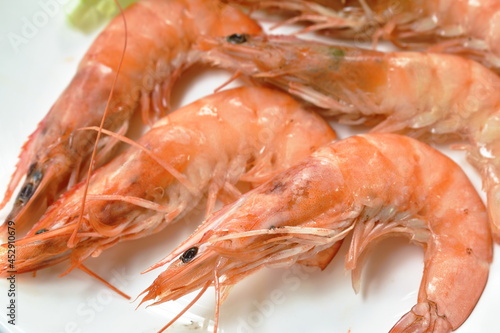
[{"x": 423, "y": 317}]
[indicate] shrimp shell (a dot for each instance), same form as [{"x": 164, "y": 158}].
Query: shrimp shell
[
  {"x": 156, "y": 54},
  {"x": 244, "y": 134},
  {"x": 373, "y": 185}
]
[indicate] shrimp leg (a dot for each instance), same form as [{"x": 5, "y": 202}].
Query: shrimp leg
[{"x": 373, "y": 186}]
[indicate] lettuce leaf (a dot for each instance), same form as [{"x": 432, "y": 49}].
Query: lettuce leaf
[{"x": 88, "y": 15}]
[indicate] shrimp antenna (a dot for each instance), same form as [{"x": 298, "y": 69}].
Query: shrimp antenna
[
  {"x": 179, "y": 176},
  {"x": 94, "y": 275},
  {"x": 235, "y": 76},
  {"x": 307, "y": 231},
  {"x": 218, "y": 298},
  {"x": 48, "y": 234},
  {"x": 72, "y": 240},
  {"x": 140, "y": 202},
  {"x": 202, "y": 291}
]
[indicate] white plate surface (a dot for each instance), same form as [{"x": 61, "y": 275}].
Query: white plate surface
[{"x": 36, "y": 65}]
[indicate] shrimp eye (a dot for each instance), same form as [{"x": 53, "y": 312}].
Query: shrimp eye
[
  {"x": 26, "y": 192},
  {"x": 31, "y": 168},
  {"x": 237, "y": 38},
  {"x": 37, "y": 176},
  {"x": 189, "y": 254},
  {"x": 34, "y": 174},
  {"x": 41, "y": 231}
]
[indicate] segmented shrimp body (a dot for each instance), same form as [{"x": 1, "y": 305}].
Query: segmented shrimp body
[
  {"x": 469, "y": 28},
  {"x": 419, "y": 94},
  {"x": 245, "y": 134},
  {"x": 57, "y": 152},
  {"x": 373, "y": 186}
]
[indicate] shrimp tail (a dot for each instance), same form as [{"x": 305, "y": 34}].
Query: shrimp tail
[{"x": 423, "y": 317}]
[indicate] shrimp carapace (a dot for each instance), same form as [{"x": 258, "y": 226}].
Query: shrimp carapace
[
  {"x": 57, "y": 153},
  {"x": 202, "y": 150},
  {"x": 425, "y": 95},
  {"x": 373, "y": 186}
]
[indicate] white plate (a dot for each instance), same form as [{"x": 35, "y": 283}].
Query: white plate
[{"x": 36, "y": 65}]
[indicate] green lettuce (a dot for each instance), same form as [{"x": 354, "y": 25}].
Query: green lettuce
[{"x": 88, "y": 15}]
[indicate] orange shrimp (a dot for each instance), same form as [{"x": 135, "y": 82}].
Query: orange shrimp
[
  {"x": 244, "y": 134},
  {"x": 420, "y": 94},
  {"x": 463, "y": 27},
  {"x": 156, "y": 54},
  {"x": 373, "y": 185}
]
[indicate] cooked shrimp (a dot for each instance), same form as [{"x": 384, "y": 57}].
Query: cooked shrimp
[
  {"x": 469, "y": 28},
  {"x": 375, "y": 186},
  {"x": 155, "y": 55},
  {"x": 244, "y": 134},
  {"x": 420, "y": 94}
]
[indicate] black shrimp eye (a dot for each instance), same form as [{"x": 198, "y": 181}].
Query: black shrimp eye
[
  {"x": 31, "y": 168},
  {"x": 189, "y": 254},
  {"x": 237, "y": 38},
  {"x": 26, "y": 192},
  {"x": 37, "y": 176},
  {"x": 41, "y": 231}
]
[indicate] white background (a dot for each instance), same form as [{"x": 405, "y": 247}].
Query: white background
[{"x": 32, "y": 75}]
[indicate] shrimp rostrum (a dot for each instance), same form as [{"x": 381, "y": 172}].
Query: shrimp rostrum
[
  {"x": 373, "y": 186},
  {"x": 198, "y": 153},
  {"x": 424, "y": 95},
  {"x": 57, "y": 153}
]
